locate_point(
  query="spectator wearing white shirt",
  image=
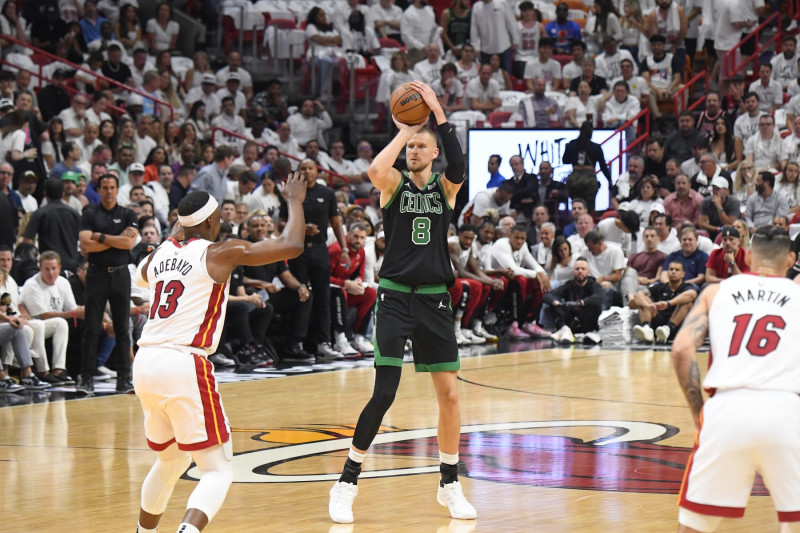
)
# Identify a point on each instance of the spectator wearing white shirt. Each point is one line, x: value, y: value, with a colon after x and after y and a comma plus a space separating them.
x: 235, y: 65
x: 97, y: 112
x: 343, y: 10
x: 789, y: 186
x: 324, y: 49
x: 483, y: 93
x: 286, y: 142
x: 730, y: 19
x: 161, y: 188
x: 310, y: 123
x: 609, y: 64
x: 512, y: 253
x: 340, y: 165
x: 769, y: 90
x: 230, y: 121
x: 418, y: 29
x: 784, y: 65
x: 790, y: 146
x: 47, y: 298
x: 249, y: 157
x: 583, y: 106
x: 139, y: 63
x: 747, y: 124
x: 258, y: 130
x: 448, y: 90
x: 358, y: 39
x: 161, y: 31
x: 498, y: 199
x: 494, y: 30
x: 573, y: 69
x: 206, y: 93
x: 606, y: 262
x: 467, y: 68
x: 88, y: 142
x: 764, y: 148
x: 74, y: 117
x: 544, y: 66
x: 385, y: 18
x: 265, y: 197
x: 135, y: 179
x: 530, y: 31
x: 232, y: 89
x: 241, y: 188
x: 144, y: 143
x: 429, y: 70
x: 620, y: 108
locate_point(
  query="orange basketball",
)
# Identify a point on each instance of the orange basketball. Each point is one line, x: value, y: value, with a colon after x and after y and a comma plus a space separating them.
x: 407, y: 105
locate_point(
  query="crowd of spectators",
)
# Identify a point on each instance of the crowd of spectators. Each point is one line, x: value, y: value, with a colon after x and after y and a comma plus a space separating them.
x: 721, y: 172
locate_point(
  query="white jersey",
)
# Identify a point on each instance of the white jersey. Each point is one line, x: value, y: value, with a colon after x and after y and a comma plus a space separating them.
x: 187, y: 307
x: 754, y: 329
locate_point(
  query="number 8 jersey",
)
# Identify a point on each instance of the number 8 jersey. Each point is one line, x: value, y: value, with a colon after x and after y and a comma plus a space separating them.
x: 754, y: 330
x: 415, y: 222
x: 187, y: 308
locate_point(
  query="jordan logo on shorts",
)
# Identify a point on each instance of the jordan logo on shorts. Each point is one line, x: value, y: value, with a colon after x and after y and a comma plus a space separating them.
x: 441, y: 305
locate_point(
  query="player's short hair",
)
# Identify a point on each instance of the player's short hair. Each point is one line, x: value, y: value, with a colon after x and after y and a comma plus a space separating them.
x: 770, y: 243
x: 357, y: 225
x: 192, y: 202
x: 649, y: 228
x: 582, y: 258
x: 519, y: 228
x: 676, y: 262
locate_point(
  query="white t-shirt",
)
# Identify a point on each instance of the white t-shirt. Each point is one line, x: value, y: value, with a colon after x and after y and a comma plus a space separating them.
x: 40, y: 298
x: 611, y: 66
x: 549, y: 71
x: 608, y: 261
x: 475, y: 89
x: 768, y: 96
x: 725, y: 35
x: 163, y: 37
x: 483, y: 200
x: 784, y: 70
x: 245, y: 79
x: 13, y: 141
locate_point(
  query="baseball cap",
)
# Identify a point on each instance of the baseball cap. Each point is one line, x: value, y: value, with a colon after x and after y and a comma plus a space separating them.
x: 209, y: 78
x: 136, y: 167
x: 658, y: 207
x: 730, y: 231
x: 609, y: 39
x: 380, y: 235
x: 30, y: 174
x: 71, y: 175
x: 60, y: 73
x: 719, y: 182
x: 6, y: 103
x: 135, y: 99
x: 233, y: 76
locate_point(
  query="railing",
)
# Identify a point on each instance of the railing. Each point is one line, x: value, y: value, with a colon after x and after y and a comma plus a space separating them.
x: 70, y: 90
x: 794, y: 9
x: 645, y: 113
x: 773, y: 20
x: 293, y: 157
x: 73, y: 66
x: 679, y: 96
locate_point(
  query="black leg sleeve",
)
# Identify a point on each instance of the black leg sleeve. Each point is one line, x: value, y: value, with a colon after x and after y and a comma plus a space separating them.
x: 387, y: 381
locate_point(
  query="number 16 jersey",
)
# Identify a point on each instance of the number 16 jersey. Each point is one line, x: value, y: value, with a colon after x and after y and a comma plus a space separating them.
x: 415, y: 222
x: 754, y: 330
x: 187, y: 307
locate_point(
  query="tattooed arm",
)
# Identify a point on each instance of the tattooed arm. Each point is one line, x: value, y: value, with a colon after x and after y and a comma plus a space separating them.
x: 684, y: 351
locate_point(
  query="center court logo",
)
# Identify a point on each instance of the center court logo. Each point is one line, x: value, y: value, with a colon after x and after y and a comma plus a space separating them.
x: 628, y: 459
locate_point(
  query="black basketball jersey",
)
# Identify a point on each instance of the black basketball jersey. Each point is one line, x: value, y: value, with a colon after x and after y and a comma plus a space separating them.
x: 415, y: 222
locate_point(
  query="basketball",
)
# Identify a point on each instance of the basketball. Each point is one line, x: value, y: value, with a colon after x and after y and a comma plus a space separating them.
x: 408, y: 107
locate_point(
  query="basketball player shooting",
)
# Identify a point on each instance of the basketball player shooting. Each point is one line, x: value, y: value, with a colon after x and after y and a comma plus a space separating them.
x: 183, y: 415
x: 751, y: 422
x: 413, y: 301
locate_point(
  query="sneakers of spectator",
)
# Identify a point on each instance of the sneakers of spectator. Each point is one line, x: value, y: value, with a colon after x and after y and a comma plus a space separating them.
x: 643, y: 333
x: 342, y: 345
x: 363, y: 345
x: 593, y: 337
x: 107, y: 371
x: 452, y: 496
x: 49, y: 377
x: 8, y: 385
x: 63, y: 376
x: 478, y: 329
x: 31, y: 382
x: 221, y: 360
x: 514, y: 332
x: 85, y: 385
x: 327, y: 353
x: 296, y: 353
x: 471, y: 337
x: 125, y: 386
x: 99, y: 375
x: 534, y: 330
x: 662, y: 334
x: 340, y: 505
x: 565, y: 335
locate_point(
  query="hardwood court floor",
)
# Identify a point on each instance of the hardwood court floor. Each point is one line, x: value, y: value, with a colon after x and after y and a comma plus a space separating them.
x: 532, y: 422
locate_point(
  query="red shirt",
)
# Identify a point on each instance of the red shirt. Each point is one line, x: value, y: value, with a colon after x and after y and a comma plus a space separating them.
x: 340, y: 274
x: 717, y: 261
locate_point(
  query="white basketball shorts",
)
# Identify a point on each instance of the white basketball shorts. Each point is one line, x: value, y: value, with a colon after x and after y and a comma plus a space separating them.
x: 180, y: 400
x: 745, y: 431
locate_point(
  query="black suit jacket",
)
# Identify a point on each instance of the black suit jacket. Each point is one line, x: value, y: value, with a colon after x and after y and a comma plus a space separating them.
x: 526, y: 188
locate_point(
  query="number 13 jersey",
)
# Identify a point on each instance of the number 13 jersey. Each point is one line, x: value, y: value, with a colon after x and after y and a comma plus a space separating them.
x: 187, y: 307
x: 415, y: 222
x: 754, y: 330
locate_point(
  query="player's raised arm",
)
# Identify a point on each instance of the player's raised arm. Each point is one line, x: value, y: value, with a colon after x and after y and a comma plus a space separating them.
x: 454, y: 174
x: 381, y: 171
x: 223, y: 258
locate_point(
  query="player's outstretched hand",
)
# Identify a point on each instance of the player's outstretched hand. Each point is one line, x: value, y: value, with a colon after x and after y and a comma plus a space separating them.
x: 427, y: 94
x: 412, y: 128
x: 295, y: 188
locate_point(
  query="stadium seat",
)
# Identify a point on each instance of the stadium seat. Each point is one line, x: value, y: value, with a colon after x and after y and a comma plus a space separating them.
x: 498, y: 118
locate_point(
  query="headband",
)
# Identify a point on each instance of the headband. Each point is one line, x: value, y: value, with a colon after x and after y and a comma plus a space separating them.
x: 200, y: 215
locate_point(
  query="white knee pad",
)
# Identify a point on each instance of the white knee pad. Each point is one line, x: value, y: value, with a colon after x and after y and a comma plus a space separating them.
x: 217, y: 476
x: 697, y: 521
x: 158, y: 485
